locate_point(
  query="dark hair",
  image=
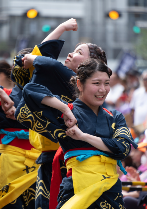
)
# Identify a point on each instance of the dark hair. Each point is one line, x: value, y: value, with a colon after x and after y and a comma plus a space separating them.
x: 96, y: 52
x: 25, y: 51
x: 86, y: 69
x: 5, y: 68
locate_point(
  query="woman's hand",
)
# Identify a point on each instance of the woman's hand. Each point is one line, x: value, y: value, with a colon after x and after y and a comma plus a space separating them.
x: 133, y: 174
x: 70, y: 24
x: 6, y: 102
x: 28, y: 60
x: 69, y: 118
x: 10, y: 113
x: 75, y: 133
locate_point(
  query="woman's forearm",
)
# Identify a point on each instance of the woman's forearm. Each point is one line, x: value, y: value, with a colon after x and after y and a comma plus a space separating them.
x: 55, y: 34
x: 68, y: 25
x: 55, y: 103
x: 95, y: 141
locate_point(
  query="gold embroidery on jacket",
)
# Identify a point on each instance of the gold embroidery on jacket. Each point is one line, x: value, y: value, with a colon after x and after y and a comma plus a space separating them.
x: 41, y: 189
x: 28, y: 195
x: 66, y: 99
x: 25, y: 115
x: 124, y: 131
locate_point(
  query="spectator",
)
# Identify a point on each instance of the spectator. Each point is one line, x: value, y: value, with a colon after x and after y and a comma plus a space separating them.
x: 116, y: 89
x: 138, y: 102
x: 5, y: 71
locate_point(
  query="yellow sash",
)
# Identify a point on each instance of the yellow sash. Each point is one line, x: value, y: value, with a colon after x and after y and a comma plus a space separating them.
x: 91, y: 178
x: 18, y: 171
x: 41, y: 142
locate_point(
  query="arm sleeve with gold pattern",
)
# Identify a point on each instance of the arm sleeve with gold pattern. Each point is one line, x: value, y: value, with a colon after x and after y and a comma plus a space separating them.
x: 120, y: 143
x: 38, y: 117
x: 22, y: 76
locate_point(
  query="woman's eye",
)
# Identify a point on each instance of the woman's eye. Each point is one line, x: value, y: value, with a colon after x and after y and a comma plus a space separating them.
x: 97, y: 83
x: 79, y: 52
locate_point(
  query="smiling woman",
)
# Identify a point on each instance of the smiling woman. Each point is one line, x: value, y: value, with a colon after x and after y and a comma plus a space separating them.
x: 80, y: 54
x: 93, y: 146
x: 93, y: 83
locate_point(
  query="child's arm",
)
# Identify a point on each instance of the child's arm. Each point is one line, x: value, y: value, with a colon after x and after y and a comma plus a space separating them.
x: 68, y: 25
x: 57, y: 104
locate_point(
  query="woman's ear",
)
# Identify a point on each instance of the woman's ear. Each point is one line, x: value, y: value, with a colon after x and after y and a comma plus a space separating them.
x: 79, y: 85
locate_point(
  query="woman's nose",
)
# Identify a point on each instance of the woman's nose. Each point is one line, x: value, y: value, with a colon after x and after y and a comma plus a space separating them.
x: 70, y: 54
x: 102, y: 88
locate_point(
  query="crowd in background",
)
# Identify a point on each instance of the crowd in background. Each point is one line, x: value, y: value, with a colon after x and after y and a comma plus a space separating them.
x: 129, y: 96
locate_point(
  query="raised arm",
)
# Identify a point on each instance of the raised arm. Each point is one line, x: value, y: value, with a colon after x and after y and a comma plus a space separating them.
x: 68, y: 25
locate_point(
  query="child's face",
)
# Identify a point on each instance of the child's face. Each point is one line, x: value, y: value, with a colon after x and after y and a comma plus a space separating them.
x: 74, y: 59
x: 94, y: 91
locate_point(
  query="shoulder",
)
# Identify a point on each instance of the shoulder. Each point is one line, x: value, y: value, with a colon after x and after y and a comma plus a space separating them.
x: 62, y: 69
x: 108, y: 112
x: 114, y: 113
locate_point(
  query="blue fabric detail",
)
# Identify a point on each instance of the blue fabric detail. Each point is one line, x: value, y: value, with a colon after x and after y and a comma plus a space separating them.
x: 85, y: 154
x: 11, y: 135
x: 136, y: 140
x: 121, y: 167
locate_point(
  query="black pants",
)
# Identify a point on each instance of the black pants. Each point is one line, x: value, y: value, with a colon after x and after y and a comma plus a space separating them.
x: 44, y: 179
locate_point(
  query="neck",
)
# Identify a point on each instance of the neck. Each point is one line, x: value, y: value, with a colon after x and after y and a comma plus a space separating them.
x: 95, y: 109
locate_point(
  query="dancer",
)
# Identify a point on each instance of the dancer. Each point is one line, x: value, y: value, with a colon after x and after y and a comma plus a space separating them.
x: 99, y: 139
x: 18, y: 185
x: 53, y: 74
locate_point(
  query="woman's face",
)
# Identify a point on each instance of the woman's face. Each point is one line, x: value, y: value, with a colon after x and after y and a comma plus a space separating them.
x: 93, y: 93
x: 74, y: 59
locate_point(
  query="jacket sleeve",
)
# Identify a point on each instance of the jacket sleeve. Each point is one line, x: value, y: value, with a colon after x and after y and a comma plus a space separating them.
x: 120, y: 143
x: 22, y: 76
x: 38, y: 117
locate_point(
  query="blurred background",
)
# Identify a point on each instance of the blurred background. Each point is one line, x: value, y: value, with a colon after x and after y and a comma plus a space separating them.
x: 121, y: 34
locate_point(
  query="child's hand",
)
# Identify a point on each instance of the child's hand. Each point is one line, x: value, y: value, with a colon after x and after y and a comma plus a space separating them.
x: 28, y: 60
x: 70, y: 24
x: 69, y: 118
x: 75, y: 133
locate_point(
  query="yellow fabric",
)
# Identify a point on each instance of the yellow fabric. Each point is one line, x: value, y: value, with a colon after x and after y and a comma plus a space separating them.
x: 18, y: 171
x: 40, y: 142
x: 91, y: 178
x: 35, y: 51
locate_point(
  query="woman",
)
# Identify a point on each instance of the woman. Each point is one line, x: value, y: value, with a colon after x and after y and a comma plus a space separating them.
x: 99, y: 139
x: 55, y: 76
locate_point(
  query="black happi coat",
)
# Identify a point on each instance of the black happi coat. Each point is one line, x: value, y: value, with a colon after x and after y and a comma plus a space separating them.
x: 110, y: 126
